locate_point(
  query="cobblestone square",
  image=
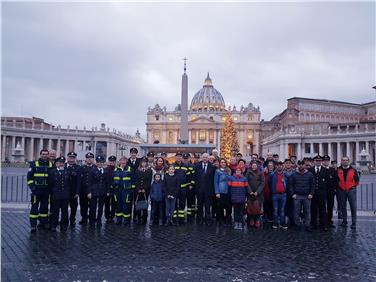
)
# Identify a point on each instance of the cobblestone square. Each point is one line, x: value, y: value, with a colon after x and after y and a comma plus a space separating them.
x: 185, y: 253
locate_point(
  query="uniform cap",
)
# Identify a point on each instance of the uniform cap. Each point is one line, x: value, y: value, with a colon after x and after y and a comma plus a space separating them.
x: 89, y: 155
x: 71, y: 154
x: 100, y: 159
x: 112, y: 158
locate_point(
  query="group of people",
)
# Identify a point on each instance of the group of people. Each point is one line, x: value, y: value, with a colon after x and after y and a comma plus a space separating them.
x: 205, y: 189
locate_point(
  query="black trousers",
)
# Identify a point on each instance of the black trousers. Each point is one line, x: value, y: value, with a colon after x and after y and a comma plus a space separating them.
x: 59, y: 205
x: 141, y: 216
x: 73, y: 204
x: 268, y: 209
x: 84, y: 207
x: 156, y: 211
x: 238, y: 212
x: 96, y: 208
x: 224, y: 204
x: 330, y: 206
x: 109, y: 207
x: 289, y: 209
x: 214, y: 206
x: 39, y: 207
x: 203, y: 202
x: 318, y: 207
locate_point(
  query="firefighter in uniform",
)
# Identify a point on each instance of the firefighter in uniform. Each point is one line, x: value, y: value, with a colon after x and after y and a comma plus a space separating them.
x: 181, y: 172
x: 37, y: 179
x: 134, y: 163
x: 75, y: 171
x: 191, y: 203
x: 59, y: 183
x: 85, y: 183
x: 110, y: 204
x: 123, y: 186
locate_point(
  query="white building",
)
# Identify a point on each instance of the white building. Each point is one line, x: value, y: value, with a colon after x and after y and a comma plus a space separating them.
x: 23, y: 138
x: 205, y: 121
x: 317, y: 126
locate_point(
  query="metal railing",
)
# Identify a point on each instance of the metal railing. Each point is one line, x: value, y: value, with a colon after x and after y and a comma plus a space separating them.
x: 14, y: 189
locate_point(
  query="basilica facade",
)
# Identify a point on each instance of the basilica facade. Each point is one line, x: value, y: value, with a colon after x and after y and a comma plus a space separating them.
x: 205, y: 121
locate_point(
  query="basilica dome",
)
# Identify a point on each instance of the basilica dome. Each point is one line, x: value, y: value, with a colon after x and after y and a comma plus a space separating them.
x: 208, y: 99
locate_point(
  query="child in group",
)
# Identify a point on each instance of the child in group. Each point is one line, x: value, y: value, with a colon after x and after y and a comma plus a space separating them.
x: 238, y: 185
x: 157, y: 197
x: 171, y: 186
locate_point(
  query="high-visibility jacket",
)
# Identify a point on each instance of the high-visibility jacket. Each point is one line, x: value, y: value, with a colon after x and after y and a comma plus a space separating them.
x: 37, y: 176
x: 181, y: 172
x: 123, y: 178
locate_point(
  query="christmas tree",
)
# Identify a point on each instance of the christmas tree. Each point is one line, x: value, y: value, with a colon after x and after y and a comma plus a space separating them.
x: 229, y: 139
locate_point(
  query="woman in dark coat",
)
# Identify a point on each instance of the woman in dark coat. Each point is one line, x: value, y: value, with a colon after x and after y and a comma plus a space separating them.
x: 143, y: 182
x: 256, y: 182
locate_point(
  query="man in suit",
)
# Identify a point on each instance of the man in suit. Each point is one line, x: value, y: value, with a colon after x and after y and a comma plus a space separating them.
x: 204, y: 181
x: 321, y: 180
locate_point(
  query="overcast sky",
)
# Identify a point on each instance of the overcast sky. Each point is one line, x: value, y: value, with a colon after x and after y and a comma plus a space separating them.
x: 87, y: 63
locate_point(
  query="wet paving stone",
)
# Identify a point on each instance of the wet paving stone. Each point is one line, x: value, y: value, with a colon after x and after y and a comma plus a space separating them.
x: 185, y: 253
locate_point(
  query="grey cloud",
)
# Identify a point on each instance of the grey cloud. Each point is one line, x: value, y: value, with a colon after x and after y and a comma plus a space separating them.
x: 107, y: 62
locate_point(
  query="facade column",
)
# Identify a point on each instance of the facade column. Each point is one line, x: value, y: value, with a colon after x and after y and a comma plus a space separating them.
x: 357, y: 151
x: 3, y: 141
x: 3, y: 147
x: 312, y: 149
x: 94, y: 149
x: 367, y: 146
x: 66, y: 149
x: 299, y: 151
x: 13, y: 145
x: 330, y: 150
x: 190, y: 136
x: 339, y: 152
x: 108, y: 149
x: 49, y: 145
x: 320, y: 149
x: 40, y: 144
x: 348, y: 151
x: 219, y: 140
x: 31, y: 153
x: 207, y: 136
x: 23, y: 143
x: 58, y: 146
x: 281, y: 150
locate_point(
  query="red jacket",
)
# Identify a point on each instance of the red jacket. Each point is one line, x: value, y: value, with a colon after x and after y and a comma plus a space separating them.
x: 352, y: 179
